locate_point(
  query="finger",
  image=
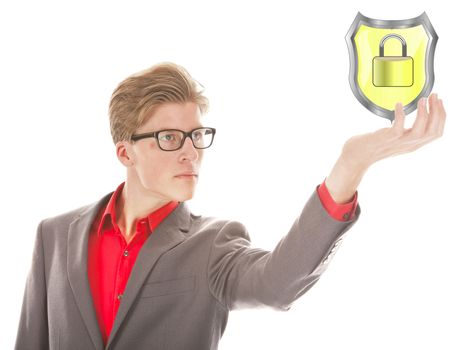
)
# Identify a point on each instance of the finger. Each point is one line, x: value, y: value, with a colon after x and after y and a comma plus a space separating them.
x: 419, y: 125
x: 435, y: 117
x: 399, y: 120
x: 433, y: 100
x: 443, y: 117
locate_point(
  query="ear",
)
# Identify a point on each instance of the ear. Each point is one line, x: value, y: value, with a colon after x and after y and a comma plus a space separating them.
x: 125, y: 153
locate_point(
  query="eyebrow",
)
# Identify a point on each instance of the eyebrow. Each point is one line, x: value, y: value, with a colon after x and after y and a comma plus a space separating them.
x: 195, y: 127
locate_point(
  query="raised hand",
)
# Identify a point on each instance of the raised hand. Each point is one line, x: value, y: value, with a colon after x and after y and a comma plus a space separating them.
x: 361, y: 151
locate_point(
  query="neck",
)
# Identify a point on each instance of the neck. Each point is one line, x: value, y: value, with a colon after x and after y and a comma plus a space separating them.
x: 135, y: 203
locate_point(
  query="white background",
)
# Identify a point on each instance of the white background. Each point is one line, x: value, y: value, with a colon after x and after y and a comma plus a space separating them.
x: 404, y: 277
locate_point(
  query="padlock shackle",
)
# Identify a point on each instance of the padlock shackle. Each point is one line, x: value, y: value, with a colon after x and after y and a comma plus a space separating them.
x: 396, y: 36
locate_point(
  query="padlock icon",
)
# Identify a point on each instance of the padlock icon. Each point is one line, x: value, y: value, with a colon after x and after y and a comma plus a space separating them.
x: 392, y: 71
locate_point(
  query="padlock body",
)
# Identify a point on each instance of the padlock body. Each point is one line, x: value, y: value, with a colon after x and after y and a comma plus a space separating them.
x: 392, y: 71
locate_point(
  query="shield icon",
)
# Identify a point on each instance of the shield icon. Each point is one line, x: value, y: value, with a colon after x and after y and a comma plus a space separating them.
x: 391, y: 61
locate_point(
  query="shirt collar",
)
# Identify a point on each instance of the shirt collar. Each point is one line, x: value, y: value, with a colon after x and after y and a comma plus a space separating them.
x: 109, y: 216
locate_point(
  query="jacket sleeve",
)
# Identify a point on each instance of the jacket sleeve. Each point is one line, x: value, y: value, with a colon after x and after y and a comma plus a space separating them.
x: 245, y: 277
x: 33, y: 327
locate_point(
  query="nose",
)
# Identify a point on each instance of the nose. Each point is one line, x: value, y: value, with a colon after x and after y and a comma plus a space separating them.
x: 188, y: 151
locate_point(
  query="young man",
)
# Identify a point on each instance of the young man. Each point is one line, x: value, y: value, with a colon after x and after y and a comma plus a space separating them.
x: 137, y: 270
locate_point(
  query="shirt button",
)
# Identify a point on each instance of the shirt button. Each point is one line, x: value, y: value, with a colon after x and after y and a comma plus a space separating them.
x: 346, y: 216
x: 126, y: 253
x: 119, y: 296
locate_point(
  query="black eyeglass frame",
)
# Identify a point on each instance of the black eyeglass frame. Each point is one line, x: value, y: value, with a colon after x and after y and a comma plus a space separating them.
x: 155, y: 134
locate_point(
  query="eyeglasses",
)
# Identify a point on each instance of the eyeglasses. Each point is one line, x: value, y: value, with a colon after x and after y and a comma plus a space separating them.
x: 173, y: 139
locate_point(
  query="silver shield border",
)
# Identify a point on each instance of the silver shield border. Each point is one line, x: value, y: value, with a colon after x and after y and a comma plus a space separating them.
x: 391, y: 24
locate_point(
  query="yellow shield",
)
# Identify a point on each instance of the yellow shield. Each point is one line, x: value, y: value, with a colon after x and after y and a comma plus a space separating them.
x: 391, y: 61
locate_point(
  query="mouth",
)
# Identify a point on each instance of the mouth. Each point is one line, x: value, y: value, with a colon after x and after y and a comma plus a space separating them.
x: 187, y: 176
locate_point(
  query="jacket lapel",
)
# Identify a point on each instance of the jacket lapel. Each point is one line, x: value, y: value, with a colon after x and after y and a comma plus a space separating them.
x: 165, y: 237
x: 77, y: 267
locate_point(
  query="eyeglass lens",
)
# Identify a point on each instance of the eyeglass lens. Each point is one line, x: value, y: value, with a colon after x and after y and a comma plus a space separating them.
x: 172, y: 139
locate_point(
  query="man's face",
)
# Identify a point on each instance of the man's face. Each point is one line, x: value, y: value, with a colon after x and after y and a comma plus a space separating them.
x: 167, y: 175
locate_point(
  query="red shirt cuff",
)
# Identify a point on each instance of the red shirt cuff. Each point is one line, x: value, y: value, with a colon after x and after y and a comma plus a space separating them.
x: 340, y: 212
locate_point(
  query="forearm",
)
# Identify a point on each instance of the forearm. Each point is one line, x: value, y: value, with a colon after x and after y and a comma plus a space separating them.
x: 344, y: 179
x: 244, y: 277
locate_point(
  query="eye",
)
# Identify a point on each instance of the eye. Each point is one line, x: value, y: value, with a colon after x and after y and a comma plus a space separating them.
x: 168, y: 137
x: 197, y: 135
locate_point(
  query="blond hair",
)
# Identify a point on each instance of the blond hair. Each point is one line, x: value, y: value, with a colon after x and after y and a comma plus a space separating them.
x: 133, y: 100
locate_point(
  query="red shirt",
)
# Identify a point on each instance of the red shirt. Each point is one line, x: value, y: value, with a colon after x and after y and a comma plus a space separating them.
x: 111, y: 258
x: 341, y: 212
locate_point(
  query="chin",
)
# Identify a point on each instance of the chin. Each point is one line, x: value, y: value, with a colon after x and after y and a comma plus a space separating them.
x: 183, y: 198
x: 182, y: 195
x: 182, y: 191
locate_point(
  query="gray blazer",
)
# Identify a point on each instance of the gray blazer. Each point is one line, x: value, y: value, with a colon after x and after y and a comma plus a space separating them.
x: 190, y: 273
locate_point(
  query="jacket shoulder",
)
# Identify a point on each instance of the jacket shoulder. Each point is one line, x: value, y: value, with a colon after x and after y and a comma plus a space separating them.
x: 219, y: 228
x: 66, y: 218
